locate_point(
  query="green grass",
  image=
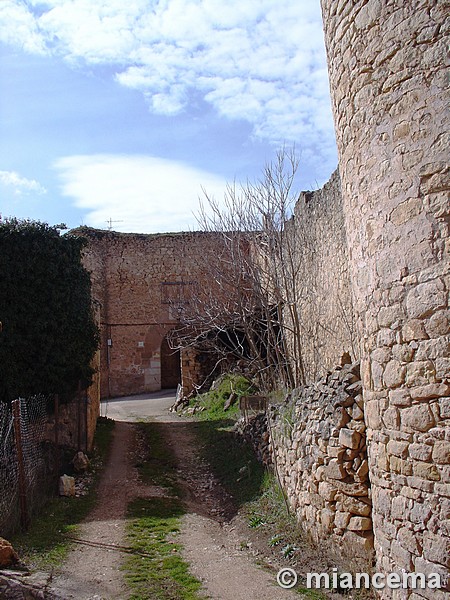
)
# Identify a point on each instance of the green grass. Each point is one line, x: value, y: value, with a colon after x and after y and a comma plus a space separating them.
x: 45, y: 545
x: 157, y: 571
x: 233, y: 461
x: 158, y: 465
x: 212, y: 403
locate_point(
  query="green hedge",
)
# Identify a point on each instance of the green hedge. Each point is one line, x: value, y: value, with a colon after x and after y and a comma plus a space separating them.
x: 48, y: 335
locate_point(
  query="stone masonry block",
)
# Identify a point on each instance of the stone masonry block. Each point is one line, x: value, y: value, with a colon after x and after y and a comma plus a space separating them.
x: 403, y: 352
x: 394, y: 374
x: 387, y: 315
x: 341, y: 519
x: 349, y: 438
x: 356, y: 506
x: 335, y: 470
x: 442, y: 366
x: 400, y: 507
x: 426, y: 471
x: 358, y: 545
x: 400, y: 397
x: 397, y: 448
x: 438, y: 324
x: 436, y: 548
x: 402, y: 557
x: 410, y: 540
x: 425, y: 299
x: 391, y: 418
x: 414, y: 329
x: 429, y: 391
x: 417, y: 418
x: 444, y: 408
x: 327, y: 491
x: 433, y: 349
x: 441, y: 452
x: 420, y: 373
x: 420, y: 452
x: 360, y: 524
x: 399, y: 465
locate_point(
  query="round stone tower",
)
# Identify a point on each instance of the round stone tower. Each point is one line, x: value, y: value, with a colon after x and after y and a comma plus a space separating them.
x: 387, y: 73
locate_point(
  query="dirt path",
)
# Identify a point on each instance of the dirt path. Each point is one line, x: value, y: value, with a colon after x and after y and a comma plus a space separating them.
x: 92, y: 569
x: 213, y: 544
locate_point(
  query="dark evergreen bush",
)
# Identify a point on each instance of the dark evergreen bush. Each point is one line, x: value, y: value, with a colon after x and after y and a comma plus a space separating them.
x: 48, y: 335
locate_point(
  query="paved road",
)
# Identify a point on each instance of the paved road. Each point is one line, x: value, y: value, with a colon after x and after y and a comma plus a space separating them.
x: 134, y: 408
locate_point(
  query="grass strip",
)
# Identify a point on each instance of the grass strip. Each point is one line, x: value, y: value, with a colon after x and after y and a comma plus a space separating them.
x: 46, y: 543
x: 159, y: 571
x: 162, y: 573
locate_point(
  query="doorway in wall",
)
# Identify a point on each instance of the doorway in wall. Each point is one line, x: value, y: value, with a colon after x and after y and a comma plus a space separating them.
x: 170, y: 366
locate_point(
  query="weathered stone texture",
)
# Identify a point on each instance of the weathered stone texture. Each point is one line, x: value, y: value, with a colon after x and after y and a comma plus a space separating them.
x: 140, y: 281
x: 318, y: 445
x: 316, y: 240
x: 388, y: 83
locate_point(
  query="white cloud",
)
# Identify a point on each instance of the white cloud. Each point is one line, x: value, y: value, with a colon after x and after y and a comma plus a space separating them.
x: 20, y: 184
x: 138, y: 193
x: 19, y: 27
x: 258, y: 60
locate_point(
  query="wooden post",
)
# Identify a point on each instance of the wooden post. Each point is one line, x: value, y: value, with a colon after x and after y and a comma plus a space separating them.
x: 20, y: 464
x: 86, y: 418
x: 79, y: 415
x: 56, y: 420
x: 57, y: 452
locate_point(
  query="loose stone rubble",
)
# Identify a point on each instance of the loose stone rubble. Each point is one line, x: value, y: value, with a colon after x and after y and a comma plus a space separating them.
x: 316, y: 442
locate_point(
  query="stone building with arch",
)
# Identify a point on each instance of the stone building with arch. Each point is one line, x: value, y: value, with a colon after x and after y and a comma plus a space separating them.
x: 141, y: 281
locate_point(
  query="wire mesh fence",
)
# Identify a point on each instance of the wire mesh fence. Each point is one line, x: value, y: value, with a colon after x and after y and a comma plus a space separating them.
x: 28, y: 460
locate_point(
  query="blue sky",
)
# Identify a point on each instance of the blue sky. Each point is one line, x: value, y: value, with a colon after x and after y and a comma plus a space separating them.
x: 125, y: 110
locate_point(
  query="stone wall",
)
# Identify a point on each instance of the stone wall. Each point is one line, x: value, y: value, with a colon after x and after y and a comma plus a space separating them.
x: 141, y: 282
x: 317, y: 442
x: 388, y: 83
x: 76, y: 420
x: 317, y: 236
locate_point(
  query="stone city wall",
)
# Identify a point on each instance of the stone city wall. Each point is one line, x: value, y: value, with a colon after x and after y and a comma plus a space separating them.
x: 390, y: 98
x: 316, y: 238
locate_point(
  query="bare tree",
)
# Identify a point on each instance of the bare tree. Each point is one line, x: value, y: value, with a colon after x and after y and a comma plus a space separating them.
x: 249, y: 310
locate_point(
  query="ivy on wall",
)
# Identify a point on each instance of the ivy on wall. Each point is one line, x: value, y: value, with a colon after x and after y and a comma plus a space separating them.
x: 48, y: 333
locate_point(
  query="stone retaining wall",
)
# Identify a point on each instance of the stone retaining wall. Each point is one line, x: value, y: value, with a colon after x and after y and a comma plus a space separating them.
x: 317, y: 441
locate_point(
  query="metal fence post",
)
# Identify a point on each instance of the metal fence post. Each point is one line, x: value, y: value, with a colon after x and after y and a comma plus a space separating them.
x: 21, y: 464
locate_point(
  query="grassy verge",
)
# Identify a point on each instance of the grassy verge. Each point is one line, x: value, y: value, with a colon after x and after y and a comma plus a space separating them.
x: 231, y: 460
x: 210, y: 406
x: 157, y: 571
x: 45, y: 544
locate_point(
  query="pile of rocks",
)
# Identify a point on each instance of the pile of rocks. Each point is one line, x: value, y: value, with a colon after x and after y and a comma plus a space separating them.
x: 316, y: 440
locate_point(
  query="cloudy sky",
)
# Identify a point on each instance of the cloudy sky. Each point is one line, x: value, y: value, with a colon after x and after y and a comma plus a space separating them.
x: 123, y: 110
